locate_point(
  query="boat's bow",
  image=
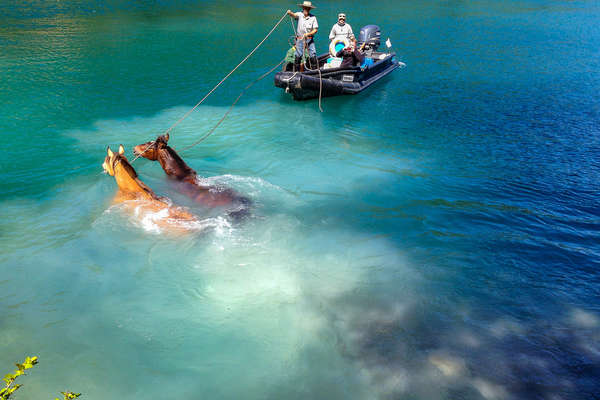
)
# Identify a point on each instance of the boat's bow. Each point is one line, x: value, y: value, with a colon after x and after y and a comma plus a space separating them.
x: 285, y: 79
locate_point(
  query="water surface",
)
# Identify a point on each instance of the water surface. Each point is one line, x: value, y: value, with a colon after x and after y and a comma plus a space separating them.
x: 435, y: 237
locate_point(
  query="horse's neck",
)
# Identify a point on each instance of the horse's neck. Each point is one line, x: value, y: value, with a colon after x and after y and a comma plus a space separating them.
x: 132, y: 186
x: 173, y: 165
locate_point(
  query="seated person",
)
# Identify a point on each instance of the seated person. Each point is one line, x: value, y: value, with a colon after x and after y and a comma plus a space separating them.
x: 289, y: 59
x: 351, y: 56
x: 342, y: 30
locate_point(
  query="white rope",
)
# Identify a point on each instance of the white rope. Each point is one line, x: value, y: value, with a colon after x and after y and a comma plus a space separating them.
x: 231, y: 106
x: 320, y: 86
x: 304, y: 51
x: 293, y: 75
x: 216, y: 86
x: 293, y: 25
x: 227, y: 76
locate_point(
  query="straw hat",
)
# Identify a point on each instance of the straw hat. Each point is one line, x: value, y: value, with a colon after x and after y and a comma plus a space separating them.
x: 306, y: 4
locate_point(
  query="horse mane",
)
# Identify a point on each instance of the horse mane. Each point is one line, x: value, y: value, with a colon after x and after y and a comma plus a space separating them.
x: 125, y: 163
x: 179, y: 161
x: 122, y: 160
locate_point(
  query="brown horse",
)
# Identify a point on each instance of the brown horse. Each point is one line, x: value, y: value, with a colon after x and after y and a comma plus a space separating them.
x: 177, y: 169
x: 140, y: 198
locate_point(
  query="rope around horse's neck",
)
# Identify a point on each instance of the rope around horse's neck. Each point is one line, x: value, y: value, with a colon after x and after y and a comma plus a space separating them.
x: 216, y: 86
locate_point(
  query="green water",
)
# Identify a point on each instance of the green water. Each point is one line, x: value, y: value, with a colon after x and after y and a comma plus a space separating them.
x: 435, y: 237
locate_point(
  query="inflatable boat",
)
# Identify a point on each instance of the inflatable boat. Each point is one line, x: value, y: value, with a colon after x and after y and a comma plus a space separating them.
x: 330, y: 79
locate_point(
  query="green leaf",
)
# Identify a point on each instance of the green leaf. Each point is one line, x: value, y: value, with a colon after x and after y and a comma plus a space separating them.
x: 12, y: 389
x: 30, y: 361
x: 70, y: 395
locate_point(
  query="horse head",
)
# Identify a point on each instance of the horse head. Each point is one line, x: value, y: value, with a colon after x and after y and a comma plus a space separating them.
x: 117, y: 165
x: 142, y: 200
x: 170, y: 161
x: 112, y: 159
x: 150, y: 149
x: 177, y: 169
x: 123, y: 174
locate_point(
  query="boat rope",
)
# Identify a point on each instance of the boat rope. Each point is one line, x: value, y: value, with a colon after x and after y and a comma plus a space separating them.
x: 293, y: 26
x: 227, y: 76
x: 305, y: 50
x: 216, y: 86
x: 320, y: 86
x: 318, y: 69
x: 231, y: 107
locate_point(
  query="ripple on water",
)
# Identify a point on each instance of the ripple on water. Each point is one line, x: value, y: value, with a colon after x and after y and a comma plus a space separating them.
x: 433, y: 237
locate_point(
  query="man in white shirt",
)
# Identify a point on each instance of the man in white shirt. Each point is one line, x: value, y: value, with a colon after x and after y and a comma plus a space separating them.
x: 342, y: 30
x: 307, y: 28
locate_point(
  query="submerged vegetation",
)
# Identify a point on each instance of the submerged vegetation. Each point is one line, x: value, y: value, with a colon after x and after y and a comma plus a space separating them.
x: 9, y: 379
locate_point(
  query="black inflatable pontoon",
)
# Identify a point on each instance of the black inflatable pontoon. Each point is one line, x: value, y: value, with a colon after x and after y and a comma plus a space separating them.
x: 338, y: 81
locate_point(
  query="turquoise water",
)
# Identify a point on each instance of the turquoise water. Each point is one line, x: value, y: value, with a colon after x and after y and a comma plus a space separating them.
x: 435, y: 237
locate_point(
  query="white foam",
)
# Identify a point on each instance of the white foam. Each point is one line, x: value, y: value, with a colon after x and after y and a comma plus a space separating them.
x: 388, y: 382
x: 247, y: 180
x: 504, y: 327
x: 149, y: 220
x: 448, y: 365
x: 254, y: 187
x: 153, y: 221
x: 489, y: 390
x: 583, y: 319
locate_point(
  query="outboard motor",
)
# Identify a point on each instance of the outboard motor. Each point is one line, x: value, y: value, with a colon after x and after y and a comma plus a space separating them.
x: 371, y: 36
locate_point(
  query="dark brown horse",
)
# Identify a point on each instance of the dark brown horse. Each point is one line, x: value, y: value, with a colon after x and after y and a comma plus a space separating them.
x: 177, y: 169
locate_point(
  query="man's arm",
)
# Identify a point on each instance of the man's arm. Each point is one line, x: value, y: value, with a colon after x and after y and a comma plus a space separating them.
x: 291, y: 14
x: 332, y: 33
x: 311, y: 33
x: 314, y: 31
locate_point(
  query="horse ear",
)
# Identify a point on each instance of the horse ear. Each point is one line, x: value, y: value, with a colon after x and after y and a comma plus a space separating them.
x: 167, y: 137
x: 121, y: 149
x: 109, y: 151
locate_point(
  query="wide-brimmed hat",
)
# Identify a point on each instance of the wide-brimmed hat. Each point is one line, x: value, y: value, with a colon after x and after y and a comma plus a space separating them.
x: 306, y: 4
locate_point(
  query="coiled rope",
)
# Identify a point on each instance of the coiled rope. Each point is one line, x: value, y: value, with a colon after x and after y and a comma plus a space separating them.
x: 305, y: 50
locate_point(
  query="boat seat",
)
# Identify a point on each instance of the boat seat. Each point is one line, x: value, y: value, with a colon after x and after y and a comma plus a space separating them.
x: 333, y: 62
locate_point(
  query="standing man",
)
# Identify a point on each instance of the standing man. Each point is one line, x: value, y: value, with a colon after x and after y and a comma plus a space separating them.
x: 307, y: 28
x: 342, y: 30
